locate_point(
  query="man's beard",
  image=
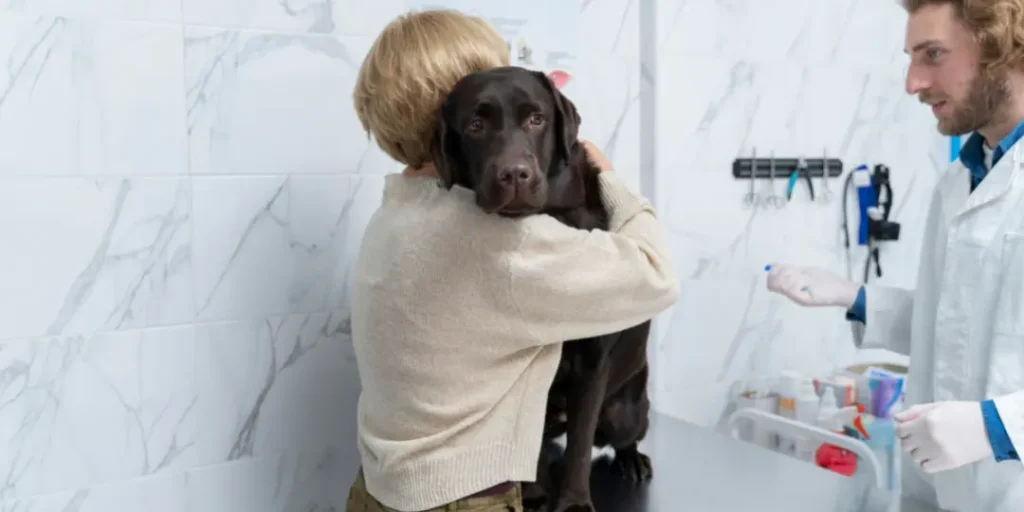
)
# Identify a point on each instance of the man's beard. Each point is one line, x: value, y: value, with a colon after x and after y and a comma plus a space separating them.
x: 987, y: 94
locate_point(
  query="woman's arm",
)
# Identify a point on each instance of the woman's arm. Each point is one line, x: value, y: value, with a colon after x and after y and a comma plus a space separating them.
x: 568, y: 283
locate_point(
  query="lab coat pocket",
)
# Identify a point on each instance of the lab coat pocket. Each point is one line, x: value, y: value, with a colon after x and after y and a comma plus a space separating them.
x: 1010, y: 308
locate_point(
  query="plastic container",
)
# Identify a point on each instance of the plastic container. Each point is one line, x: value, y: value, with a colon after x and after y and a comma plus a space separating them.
x: 759, y: 396
x: 788, y: 388
x: 878, y: 399
x: 843, y: 386
x: 828, y: 413
x: 882, y: 441
x: 807, y: 404
x: 865, y: 457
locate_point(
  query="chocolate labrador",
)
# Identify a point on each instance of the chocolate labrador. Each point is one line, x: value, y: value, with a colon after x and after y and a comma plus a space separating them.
x: 510, y: 136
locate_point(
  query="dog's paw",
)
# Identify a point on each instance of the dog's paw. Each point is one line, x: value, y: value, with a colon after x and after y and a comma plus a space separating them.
x: 634, y: 466
x: 566, y: 506
x: 535, y: 498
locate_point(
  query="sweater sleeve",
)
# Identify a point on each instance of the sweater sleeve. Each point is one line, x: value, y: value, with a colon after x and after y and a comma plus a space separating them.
x: 570, y: 284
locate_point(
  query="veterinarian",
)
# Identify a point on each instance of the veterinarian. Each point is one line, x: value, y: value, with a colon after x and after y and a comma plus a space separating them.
x: 963, y: 326
x: 458, y: 316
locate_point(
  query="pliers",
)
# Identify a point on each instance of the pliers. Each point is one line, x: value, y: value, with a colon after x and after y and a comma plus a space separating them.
x: 801, y: 168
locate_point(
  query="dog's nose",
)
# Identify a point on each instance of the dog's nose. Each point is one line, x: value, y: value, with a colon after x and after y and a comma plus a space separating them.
x: 513, y: 175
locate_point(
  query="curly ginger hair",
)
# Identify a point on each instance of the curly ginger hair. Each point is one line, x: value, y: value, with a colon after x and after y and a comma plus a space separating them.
x: 997, y: 25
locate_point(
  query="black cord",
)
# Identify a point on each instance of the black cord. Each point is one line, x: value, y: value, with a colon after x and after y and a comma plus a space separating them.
x: 873, y: 254
x: 846, y: 224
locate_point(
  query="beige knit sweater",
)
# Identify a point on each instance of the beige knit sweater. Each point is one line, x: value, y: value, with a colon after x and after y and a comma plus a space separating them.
x: 457, y: 319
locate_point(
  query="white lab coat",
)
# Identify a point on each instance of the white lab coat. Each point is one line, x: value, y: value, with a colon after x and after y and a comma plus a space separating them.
x: 963, y: 326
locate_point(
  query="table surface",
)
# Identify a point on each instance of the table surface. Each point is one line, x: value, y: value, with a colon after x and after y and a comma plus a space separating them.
x: 698, y: 469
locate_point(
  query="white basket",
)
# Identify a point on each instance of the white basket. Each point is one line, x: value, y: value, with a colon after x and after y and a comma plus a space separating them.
x: 786, y: 426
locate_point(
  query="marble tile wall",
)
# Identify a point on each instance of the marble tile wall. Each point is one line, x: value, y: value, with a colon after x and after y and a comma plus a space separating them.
x: 183, y: 185
x: 797, y: 77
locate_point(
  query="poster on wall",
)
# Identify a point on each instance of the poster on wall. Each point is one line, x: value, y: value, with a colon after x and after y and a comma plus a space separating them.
x: 541, y: 34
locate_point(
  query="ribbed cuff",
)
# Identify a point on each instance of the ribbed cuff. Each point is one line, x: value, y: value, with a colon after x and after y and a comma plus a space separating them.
x: 1010, y: 409
x: 437, y: 482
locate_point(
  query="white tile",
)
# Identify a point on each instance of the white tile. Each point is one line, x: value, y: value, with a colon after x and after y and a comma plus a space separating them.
x: 798, y: 93
x: 739, y: 107
x: 868, y: 37
x: 606, y: 91
x: 725, y: 330
x: 89, y: 98
x: 857, y: 35
x: 610, y: 27
x: 549, y: 29
x: 328, y: 216
x: 273, y: 104
x: 242, y: 256
x: 269, y: 245
x: 152, y: 10
x: 272, y: 386
x: 94, y: 254
x: 164, y: 493
x: 80, y: 411
x: 343, y: 17
x: 310, y: 480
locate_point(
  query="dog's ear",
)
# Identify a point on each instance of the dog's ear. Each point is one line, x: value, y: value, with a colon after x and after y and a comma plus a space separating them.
x: 442, y: 149
x: 565, y: 182
x: 567, y: 118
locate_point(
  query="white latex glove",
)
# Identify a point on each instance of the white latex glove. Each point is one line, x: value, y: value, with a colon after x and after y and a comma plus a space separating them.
x: 944, y: 435
x: 812, y: 286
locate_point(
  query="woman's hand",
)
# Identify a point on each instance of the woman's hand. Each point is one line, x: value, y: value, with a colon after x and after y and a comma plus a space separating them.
x: 595, y: 156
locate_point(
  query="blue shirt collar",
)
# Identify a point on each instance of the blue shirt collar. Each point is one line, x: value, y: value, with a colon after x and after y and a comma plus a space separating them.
x: 972, y: 155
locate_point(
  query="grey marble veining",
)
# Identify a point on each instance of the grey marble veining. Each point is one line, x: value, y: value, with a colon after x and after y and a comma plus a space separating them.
x: 82, y: 410
x: 83, y: 96
x: 347, y: 17
x: 94, y: 254
x: 184, y: 185
x: 730, y: 81
x: 135, y: 10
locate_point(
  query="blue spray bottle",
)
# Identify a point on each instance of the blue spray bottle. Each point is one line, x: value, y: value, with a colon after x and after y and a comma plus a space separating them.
x: 866, y: 200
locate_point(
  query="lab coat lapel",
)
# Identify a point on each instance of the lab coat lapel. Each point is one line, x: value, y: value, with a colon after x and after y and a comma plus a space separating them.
x: 995, y: 185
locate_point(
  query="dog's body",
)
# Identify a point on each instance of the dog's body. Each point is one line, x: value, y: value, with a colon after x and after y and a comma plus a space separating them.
x: 496, y: 137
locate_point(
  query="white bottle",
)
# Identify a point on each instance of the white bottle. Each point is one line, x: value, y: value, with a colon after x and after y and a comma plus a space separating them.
x: 757, y: 394
x: 789, y: 386
x: 828, y: 414
x: 807, y: 403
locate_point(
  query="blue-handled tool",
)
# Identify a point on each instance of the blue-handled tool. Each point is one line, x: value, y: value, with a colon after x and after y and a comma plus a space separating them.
x: 801, y: 169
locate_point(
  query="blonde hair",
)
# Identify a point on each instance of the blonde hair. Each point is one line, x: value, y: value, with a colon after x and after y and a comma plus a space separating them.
x: 410, y: 69
x: 997, y: 25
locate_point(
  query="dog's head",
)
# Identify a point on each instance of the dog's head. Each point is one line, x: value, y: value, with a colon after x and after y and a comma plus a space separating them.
x: 508, y: 134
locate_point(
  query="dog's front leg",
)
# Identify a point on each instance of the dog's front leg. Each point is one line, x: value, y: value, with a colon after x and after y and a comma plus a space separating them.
x: 584, y: 409
x: 536, y: 495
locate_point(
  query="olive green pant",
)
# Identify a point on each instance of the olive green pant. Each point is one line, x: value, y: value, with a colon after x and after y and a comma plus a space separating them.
x: 359, y: 500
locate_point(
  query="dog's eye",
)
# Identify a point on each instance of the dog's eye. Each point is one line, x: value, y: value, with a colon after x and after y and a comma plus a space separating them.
x: 536, y: 119
x: 476, y: 124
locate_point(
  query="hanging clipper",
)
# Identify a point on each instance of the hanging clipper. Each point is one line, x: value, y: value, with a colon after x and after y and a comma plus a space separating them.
x: 751, y: 199
x: 801, y: 169
x: 775, y: 199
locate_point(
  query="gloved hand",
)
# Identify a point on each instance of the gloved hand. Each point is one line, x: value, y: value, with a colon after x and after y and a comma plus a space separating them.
x: 811, y: 286
x: 944, y: 435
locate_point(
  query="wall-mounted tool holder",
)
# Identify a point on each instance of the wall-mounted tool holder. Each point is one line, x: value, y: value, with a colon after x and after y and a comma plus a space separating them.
x: 815, y: 167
